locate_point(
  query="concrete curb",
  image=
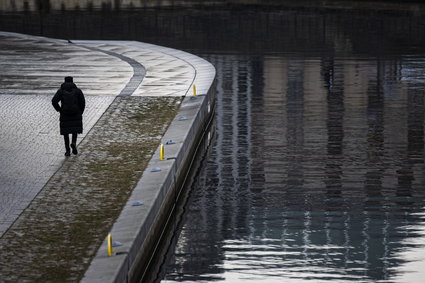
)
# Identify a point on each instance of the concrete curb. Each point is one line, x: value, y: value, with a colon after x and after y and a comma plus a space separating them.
x: 138, y: 226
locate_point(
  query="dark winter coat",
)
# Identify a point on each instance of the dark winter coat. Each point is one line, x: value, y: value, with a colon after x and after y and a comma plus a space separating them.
x: 71, y: 108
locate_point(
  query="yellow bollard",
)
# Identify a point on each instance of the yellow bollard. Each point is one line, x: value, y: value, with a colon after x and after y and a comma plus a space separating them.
x: 194, y: 90
x: 161, y: 152
x: 109, y: 245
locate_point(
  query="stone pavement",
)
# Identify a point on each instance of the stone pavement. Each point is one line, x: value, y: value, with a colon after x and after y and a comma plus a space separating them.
x: 68, y: 219
x: 166, y: 75
x: 31, y: 148
x: 31, y: 70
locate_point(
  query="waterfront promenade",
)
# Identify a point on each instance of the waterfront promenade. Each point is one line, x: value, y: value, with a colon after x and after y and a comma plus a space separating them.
x: 122, y: 81
x: 32, y: 69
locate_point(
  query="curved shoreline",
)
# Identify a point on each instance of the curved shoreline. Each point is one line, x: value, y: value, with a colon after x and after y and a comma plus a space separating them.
x: 137, y: 226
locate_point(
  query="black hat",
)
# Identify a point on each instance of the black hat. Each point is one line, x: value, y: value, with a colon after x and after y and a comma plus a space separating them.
x: 69, y: 79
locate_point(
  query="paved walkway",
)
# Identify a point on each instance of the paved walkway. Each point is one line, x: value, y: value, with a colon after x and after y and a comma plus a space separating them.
x: 31, y: 70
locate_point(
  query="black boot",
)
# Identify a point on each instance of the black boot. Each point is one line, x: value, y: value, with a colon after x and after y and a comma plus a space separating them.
x: 74, y: 149
x: 68, y: 152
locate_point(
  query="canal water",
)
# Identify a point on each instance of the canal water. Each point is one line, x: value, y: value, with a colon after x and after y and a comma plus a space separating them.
x: 316, y: 171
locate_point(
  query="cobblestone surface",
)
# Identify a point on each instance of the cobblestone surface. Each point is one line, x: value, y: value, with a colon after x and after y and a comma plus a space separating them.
x: 54, y: 236
x: 166, y: 75
x: 61, y: 230
x: 138, y: 71
x: 32, y: 65
x: 31, y: 148
x: 32, y: 69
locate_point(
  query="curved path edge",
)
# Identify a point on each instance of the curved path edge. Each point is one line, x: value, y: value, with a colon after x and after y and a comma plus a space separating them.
x: 138, y: 226
x: 139, y: 70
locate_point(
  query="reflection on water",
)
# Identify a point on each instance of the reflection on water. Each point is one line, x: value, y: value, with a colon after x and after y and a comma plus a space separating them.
x: 317, y: 169
x: 317, y: 172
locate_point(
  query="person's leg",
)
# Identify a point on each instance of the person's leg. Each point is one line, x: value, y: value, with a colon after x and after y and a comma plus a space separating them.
x: 66, y: 139
x: 74, y: 138
x: 74, y: 143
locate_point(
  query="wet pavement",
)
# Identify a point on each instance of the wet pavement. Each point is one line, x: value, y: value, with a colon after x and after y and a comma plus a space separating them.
x: 66, y: 221
x: 31, y: 70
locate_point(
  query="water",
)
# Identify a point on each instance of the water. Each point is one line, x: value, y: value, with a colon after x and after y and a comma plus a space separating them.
x: 316, y: 172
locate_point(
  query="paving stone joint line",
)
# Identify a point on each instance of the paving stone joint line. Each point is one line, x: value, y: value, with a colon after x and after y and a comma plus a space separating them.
x: 139, y: 71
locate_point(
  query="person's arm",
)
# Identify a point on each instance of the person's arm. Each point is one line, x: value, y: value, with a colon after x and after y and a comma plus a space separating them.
x: 82, y: 101
x: 56, y: 99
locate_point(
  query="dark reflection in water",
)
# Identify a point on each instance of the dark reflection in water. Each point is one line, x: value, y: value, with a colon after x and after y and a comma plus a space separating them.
x: 317, y: 169
x: 317, y: 172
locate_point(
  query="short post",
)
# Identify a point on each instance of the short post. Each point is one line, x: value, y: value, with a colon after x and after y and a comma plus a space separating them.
x: 194, y: 89
x: 161, y: 152
x: 109, y: 245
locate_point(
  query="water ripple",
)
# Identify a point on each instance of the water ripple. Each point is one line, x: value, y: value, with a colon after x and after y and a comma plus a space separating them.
x: 316, y: 173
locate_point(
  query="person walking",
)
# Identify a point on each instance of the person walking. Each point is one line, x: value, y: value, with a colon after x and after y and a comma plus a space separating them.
x: 71, y: 108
